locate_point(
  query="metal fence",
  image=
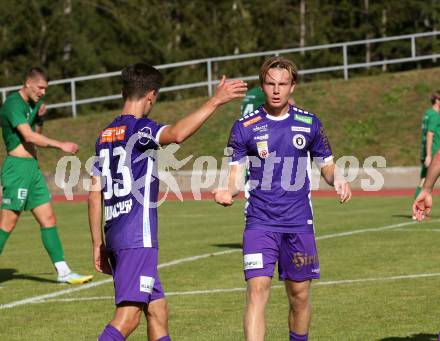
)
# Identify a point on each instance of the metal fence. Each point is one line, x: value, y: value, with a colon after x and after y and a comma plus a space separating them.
x: 210, y: 83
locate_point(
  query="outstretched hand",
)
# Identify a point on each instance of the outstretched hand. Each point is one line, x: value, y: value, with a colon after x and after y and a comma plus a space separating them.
x: 69, y: 147
x: 228, y: 90
x: 422, y: 205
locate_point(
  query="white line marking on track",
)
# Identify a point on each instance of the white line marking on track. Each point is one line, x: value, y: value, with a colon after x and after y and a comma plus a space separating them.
x: 190, y: 259
x: 216, y: 291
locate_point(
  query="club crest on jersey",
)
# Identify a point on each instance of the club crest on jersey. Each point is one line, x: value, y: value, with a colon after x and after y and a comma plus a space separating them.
x: 252, y: 121
x: 263, y: 149
x: 113, y: 134
x: 299, y: 141
x: 144, y: 135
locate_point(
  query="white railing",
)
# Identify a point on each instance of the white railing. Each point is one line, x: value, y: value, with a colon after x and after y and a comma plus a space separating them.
x: 210, y: 83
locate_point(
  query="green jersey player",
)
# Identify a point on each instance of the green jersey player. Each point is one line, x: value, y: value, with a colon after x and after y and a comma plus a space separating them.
x: 253, y: 99
x: 430, y: 136
x: 24, y: 187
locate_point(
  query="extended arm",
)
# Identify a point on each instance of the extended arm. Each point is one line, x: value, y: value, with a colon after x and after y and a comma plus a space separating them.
x: 39, y: 140
x: 428, y: 156
x: 100, y: 257
x: 188, y: 125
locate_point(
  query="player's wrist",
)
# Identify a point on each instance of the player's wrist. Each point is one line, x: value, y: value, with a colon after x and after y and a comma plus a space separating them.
x: 214, y: 101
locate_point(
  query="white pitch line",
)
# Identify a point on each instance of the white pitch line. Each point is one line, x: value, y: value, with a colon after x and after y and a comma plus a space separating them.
x: 226, y: 290
x: 417, y: 230
x: 108, y: 280
x: 376, y: 229
x: 185, y: 260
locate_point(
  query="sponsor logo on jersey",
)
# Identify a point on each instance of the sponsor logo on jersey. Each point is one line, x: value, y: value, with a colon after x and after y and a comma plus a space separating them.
x: 6, y: 201
x: 22, y: 193
x: 113, y: 134
x: 260, y: 129
x: 122, y: 207
x: 261, y: 137
x: 263, y: 149
x: 146, y: 284
x: 303, y: 129
x: 303, y: 259
x: 299, y: 141
x: 304, y: 119
x: 252, y: 121
x: 253, y: 261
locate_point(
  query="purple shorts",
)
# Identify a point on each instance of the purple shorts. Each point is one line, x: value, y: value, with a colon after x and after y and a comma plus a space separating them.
x: 135, y: 275
x: 296, y: 254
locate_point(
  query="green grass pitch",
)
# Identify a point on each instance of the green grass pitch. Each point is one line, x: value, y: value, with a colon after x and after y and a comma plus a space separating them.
x: 380, y: 276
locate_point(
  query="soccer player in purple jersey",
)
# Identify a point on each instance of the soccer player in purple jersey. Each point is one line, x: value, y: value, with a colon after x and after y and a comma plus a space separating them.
x: 125, y: 190
x: 279, y: 139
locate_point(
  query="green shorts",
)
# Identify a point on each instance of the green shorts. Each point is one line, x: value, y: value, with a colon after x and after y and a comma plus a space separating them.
x: 24, y: 186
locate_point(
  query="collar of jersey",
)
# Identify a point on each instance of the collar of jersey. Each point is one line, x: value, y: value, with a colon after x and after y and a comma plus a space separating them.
x: 277, y: 118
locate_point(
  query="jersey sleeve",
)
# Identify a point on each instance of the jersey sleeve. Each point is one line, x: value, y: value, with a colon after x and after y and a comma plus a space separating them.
x: 320, y: 149
x: 15, y: 115
x: 96, y: 169
x: 237, y: 143
x: 148, y: 134
x: 432, y: 123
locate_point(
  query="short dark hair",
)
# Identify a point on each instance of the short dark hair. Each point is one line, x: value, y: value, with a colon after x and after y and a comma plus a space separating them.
x: 139, y: 78
x: 280, y: 63
x: 435, y: 96
x: 36, y: 72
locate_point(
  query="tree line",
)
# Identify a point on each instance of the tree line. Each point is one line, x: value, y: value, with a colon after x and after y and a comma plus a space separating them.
x: 80, y: 37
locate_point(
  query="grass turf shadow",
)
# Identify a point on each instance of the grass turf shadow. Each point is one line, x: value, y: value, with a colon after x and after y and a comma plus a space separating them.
x: 12, y: 274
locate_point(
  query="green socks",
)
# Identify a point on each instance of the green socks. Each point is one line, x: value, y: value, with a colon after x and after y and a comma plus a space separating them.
x: 52, y: 243
x: 3, y: 238
x: 418, y: 190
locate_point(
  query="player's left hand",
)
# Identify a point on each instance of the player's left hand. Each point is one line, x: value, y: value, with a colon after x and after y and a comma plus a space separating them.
x: 343, y: 188
x: 42, y: 110
x: 422, y: 205
x: 100, y: 260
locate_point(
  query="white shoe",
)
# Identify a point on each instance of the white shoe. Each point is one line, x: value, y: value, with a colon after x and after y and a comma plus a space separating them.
x: 74, y: 278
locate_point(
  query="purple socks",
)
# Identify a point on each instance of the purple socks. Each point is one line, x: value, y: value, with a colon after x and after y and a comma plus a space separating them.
x: 164, y: 338
x: 295, y: 337
x: 110, y: 333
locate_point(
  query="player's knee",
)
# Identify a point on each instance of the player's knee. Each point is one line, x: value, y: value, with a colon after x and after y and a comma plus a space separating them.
x: 8, y: 223
x: 158, y: 313
x: 51, y: 220
x: 129, y: 324
x: 258, y: 292
x: 299, y: 300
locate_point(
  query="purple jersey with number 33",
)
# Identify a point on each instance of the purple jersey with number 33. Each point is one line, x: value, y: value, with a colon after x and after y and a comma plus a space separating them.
x: 278, y: 150
x: 126, y: 160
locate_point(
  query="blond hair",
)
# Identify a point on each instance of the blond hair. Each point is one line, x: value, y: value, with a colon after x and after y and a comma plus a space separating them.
x: 281, y: 63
